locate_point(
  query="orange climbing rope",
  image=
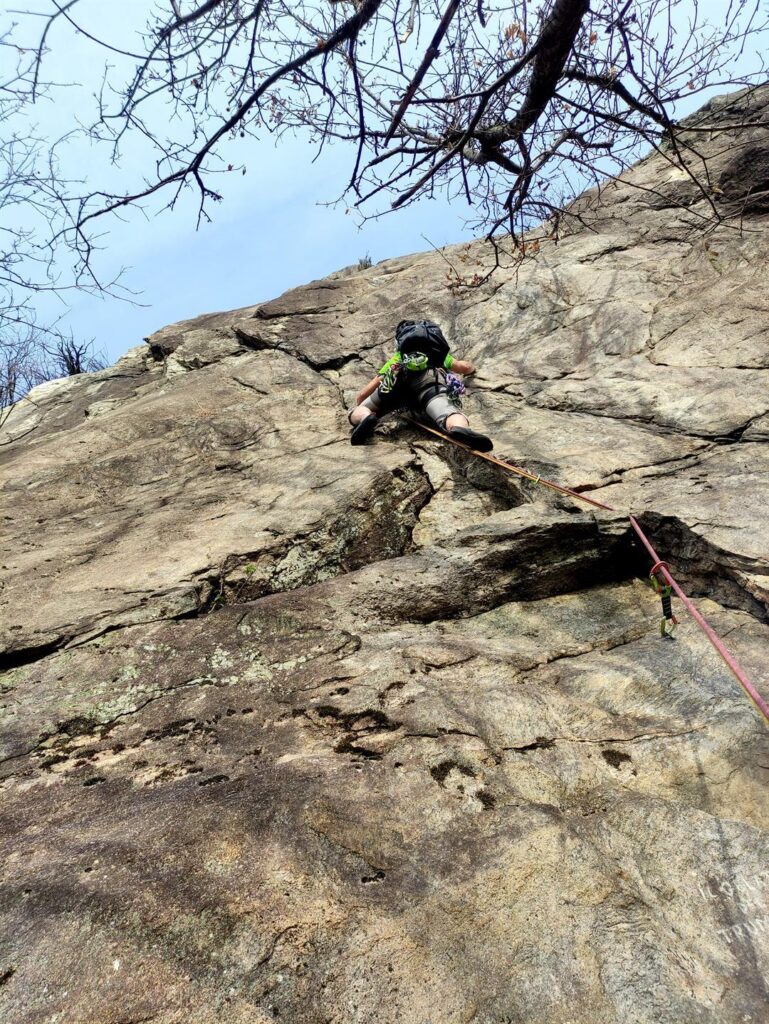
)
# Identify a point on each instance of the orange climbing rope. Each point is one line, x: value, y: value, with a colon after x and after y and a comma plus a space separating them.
x: 660, y: 567
x: 510, y: 467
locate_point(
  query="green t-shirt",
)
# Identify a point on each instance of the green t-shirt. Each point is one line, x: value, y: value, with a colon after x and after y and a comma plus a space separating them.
x: 448, y: 362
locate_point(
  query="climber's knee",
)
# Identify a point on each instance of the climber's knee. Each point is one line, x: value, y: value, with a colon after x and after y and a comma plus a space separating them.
x: 457, y: 419
x: 369, y: 407
x: 358, y: 414
x: 444, y: 414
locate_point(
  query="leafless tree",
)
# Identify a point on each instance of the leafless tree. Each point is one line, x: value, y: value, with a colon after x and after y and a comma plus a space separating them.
x: 29, y: 356
x: 513, y: 108
x: 35, y: 215
x: 29, y: 198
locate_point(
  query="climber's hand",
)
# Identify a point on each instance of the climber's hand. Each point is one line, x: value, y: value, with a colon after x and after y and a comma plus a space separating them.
x: 464, y: 367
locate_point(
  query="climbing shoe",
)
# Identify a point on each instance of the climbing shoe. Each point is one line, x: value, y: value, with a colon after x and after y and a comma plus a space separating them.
x: 471, y: 438
x: 364, y: 430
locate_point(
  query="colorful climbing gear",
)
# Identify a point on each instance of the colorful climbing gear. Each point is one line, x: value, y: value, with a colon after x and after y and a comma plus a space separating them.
x: 389, y: 379
x: 455, y: 388
x: 668, y: 622
x: 415, y: 361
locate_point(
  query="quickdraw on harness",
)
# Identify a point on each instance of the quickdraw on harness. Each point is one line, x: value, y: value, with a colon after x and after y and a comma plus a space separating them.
x: 388, y: 380
x: 455, y: 388
x: 668, y: 622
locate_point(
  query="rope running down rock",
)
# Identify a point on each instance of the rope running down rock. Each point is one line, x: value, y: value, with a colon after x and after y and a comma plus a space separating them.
x: 660, y: 567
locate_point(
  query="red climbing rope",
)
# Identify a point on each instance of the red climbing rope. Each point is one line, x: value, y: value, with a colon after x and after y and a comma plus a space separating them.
x: 511, y: 468
x: 742, y: 679
x: 660, y: 567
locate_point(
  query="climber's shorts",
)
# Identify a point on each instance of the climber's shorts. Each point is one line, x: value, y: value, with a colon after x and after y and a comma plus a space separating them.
x: 438, y: 408
x: 380, y: 404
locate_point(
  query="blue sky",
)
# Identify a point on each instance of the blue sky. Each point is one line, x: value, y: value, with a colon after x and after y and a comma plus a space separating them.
x: 270, y: 233
x: 259, y: 244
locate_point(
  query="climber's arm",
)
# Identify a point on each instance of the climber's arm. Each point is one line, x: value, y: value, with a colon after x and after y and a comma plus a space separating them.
x: 369, y: 389
x: 462, y: 366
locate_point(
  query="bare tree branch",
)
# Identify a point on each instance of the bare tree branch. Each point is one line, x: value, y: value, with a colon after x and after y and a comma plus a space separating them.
x: 429, y: 57
x: 513, y: 107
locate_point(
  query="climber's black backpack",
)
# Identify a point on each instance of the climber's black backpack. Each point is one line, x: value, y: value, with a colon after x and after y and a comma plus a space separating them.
x: 422, y: 336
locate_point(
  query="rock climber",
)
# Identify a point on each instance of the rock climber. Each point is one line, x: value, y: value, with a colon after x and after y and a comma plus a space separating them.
x: 420, y: 377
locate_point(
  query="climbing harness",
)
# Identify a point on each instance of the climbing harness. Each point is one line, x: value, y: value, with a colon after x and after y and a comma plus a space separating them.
x: 659, y: 573
x: 668, y: 622
x: 413, y: 362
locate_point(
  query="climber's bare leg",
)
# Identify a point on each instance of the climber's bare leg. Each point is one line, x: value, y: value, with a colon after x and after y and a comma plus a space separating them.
x: 456, y: 424
x: 359, y: 413
x: 456, y: 420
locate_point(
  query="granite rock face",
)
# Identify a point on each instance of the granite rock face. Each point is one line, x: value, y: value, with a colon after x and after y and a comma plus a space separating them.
x: 298, y: 731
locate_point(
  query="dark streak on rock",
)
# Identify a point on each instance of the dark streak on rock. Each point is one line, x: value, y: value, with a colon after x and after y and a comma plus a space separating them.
x: 615, y: 757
